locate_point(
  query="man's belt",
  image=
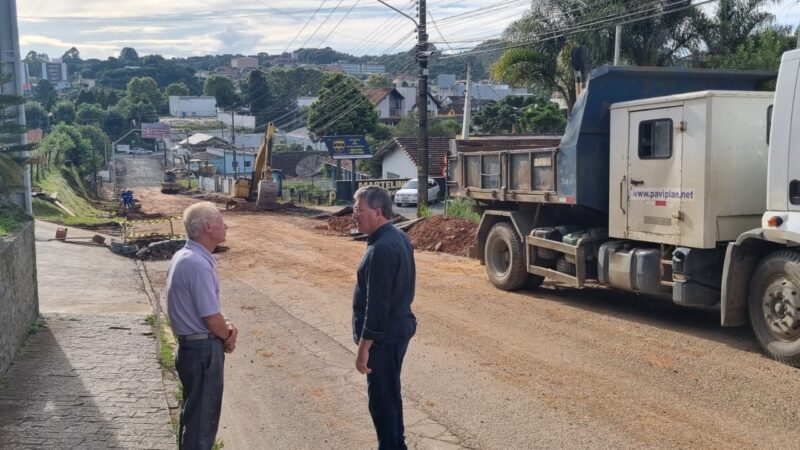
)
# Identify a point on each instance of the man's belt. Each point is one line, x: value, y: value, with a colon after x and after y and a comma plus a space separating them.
x: 196, y: 337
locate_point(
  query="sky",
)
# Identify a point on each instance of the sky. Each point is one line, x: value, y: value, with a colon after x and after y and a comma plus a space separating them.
x: 181, y: 28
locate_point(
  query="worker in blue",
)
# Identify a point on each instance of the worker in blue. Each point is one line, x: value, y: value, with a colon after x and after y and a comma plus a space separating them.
x: 383, y: 323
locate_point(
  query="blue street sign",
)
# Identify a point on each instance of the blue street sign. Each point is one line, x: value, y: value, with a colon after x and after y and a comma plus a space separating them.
x: 347, y: 147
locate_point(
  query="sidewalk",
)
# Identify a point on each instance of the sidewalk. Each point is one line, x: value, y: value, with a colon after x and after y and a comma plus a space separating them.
x: 90, y: 377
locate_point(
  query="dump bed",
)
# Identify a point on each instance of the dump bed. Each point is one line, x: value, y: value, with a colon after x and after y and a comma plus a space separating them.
x: 576, y: 170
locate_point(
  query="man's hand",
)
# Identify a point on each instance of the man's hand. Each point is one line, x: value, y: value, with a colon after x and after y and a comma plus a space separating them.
x: 230, y: 343
x: 362, y: 357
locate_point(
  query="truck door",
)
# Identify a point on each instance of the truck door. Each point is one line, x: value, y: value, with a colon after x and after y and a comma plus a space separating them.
x: 654, y: 171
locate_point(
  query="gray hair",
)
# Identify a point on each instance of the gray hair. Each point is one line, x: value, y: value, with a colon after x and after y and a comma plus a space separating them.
x: 376, y: 197
x: 196, y: 216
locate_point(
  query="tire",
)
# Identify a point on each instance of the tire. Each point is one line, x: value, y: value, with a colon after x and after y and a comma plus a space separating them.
x: 505, y: 257
x: 774, y: 293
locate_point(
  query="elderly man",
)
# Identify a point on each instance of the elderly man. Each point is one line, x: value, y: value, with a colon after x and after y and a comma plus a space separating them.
x: 202, y: 331
x: 383, y: 322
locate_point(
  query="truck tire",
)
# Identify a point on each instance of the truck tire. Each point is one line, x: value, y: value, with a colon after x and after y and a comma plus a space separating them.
x: 774, y: 304
x: 505, y: 257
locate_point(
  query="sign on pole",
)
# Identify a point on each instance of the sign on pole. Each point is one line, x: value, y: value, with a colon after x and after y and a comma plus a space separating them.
x: 347, y: 147
x: 155, y: 130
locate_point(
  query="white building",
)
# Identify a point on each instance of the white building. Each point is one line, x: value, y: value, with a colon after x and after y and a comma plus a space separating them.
x: 240, y: 120
x: 192, y: 106
x: 56, y: 72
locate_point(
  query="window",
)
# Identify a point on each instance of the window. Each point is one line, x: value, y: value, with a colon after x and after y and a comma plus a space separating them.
x: 655, y: 139
x: 247, y: 163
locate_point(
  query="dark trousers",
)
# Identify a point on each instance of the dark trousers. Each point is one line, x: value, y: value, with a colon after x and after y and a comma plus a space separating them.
x: 385, y: 399
x: 200, y: 366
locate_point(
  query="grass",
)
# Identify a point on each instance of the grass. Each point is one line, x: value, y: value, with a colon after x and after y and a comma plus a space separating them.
x: 12, y: 217
x: 72, y: 194
x: 462, y: 208
x: 35, y: 327
x: 423, y: 211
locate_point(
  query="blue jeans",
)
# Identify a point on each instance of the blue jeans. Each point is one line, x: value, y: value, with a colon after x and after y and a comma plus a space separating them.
x: 200, y: 366
x: 385, y: 399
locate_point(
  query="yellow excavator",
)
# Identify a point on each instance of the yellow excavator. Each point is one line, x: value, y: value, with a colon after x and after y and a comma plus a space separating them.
x: 260, y: 186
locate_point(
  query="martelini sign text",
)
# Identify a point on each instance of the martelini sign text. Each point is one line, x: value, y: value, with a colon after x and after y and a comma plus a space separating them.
x: 347, y: 147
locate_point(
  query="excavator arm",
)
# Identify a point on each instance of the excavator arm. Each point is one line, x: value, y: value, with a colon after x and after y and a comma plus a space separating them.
x: 262, y: 169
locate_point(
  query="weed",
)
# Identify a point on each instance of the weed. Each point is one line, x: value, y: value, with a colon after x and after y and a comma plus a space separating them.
x: 166, y: 354
x: 423, y: 211
x: 35, y: 328
x: 462, y: 208
x: 150, y: 320
x: 218, y: 444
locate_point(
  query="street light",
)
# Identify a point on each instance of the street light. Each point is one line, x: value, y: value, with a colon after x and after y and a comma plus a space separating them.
x: 422, y: 103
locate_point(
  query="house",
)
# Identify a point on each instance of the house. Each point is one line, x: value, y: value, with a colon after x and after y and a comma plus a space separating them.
x: 405, y: 81
x: 410, y: 103
x: 199, y: 142
x: 231, y: 162
x: 400, y: 157
x: 454, y: 105
x: 388, y: 104
x: 192, y: 106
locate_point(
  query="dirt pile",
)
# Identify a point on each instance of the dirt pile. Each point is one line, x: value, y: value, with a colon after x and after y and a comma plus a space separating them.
x: 342, y: 225
x: 444, y: 234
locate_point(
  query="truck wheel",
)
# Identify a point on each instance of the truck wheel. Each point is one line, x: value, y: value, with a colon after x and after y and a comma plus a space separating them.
x: 505, y: 257
x: 775, y: 306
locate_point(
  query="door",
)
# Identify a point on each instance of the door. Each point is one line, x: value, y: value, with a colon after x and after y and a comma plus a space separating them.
x: 655, y: 150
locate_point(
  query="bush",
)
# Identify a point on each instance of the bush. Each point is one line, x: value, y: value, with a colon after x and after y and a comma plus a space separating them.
x: 462, y: 208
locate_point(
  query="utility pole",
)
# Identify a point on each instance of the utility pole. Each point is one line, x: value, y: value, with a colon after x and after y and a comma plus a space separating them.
x: 11, y: 63
x: 617, y: 43
x: 235, y: 163
x: 422, y: 110
x: 467, y: 105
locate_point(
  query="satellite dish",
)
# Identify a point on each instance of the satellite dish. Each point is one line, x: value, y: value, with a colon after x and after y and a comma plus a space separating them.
x: 310, y: 166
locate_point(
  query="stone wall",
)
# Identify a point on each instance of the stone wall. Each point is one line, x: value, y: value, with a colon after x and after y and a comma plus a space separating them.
x: 19, y: 298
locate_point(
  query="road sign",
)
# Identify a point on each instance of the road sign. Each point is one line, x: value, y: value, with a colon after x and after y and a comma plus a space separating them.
x: 348, y: 147
x: 155, y: 130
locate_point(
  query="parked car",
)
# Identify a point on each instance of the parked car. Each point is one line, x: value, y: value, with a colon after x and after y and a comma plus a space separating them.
x: 408, y: 193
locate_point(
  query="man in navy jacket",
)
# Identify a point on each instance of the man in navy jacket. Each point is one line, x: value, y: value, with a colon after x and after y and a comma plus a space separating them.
x: 383, y: 322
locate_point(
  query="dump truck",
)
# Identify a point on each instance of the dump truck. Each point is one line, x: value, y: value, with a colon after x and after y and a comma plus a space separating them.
x: 261, y: 186
x: 677, y: 183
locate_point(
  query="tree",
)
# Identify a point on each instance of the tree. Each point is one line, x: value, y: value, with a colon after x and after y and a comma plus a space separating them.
x: 129, y: 56
x: 257, y: 95
x: 63, y: 112
x: 90, y: 114
x: 341, y: 109
x: 437, y: 126
x: 144, y: 88
x: 72, y: 58
x: 139, y: 112
x: 86, y: 96
x: 760, y: 51
x: 176, y: 89
x: 34, y: 61
x: 36, y: 116
x: 66, y: 145
x: 114, y: 124
x: 223, y: 90
x: 44, y: 93
x: 379, y: 81
x: 515, y: 115
x: 98, y: 139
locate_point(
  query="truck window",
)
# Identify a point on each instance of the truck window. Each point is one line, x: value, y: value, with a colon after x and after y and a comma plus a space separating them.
x: 655, y: 139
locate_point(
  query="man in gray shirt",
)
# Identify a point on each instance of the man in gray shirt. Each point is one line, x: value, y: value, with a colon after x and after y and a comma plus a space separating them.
x: 203, y: 334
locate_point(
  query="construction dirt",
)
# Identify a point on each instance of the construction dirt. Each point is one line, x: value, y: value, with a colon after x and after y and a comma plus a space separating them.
x: 555, y: 367
x: 444, y: 234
